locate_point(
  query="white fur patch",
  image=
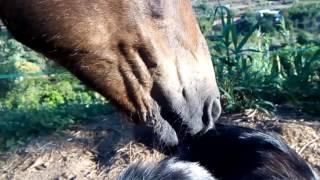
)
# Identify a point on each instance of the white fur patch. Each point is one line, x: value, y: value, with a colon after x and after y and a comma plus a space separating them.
x: 166, y: 169
x: 193, y: 170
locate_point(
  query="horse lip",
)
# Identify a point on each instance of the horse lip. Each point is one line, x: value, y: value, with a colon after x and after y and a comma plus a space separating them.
x: 206, y: 129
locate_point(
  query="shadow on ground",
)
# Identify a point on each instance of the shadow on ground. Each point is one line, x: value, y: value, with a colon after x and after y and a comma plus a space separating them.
x: 102, y: 148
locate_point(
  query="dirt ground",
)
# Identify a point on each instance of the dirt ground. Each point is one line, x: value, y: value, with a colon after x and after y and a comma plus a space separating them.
x: 104, y: 147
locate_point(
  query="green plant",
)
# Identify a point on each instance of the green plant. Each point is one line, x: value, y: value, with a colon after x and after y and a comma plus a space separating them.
x: 299, y: 68
x: 38, y: 97
x: 234, y: 63
x: 304, y: 19
x: 257, y: 68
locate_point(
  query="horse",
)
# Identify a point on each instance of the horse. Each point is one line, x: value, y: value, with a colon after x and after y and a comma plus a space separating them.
x: 148, y: 57
x: 228, y: 152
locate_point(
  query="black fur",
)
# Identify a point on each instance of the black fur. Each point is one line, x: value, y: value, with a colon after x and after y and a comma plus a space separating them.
x: 233, y: 152
x: 229, y: 153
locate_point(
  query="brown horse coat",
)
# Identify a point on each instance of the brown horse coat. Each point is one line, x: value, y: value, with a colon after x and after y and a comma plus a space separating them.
x: 147, y: 56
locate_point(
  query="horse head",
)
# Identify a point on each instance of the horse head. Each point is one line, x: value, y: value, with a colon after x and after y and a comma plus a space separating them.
x: 148, y: 57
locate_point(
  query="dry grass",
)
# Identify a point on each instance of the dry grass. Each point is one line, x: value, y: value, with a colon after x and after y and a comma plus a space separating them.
x: 131, y: 153
x: 100, y: 151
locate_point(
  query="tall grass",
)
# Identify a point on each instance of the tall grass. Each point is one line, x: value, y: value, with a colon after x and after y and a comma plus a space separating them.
x: 258, y: 69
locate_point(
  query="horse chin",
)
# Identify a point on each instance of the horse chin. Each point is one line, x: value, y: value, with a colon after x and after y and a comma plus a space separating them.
x: 166, y: 134
x: 160, y: 136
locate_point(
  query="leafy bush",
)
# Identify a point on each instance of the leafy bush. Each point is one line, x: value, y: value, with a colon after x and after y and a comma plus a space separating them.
x: 304, y: 18
x: 37, y: 96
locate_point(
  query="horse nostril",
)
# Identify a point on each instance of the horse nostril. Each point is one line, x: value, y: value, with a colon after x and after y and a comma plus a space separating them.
x: 211, y: 112
x: 216, y: 109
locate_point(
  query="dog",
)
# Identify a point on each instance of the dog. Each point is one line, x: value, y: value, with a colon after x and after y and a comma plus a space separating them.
x: 228, y: 152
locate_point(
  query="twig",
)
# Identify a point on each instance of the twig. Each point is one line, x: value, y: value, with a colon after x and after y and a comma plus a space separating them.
x: 130, y: 152
x: 308, y: 144
x: 252, y: 114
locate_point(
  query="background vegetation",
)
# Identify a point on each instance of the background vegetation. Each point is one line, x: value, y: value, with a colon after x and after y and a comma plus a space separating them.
x: 37, y: 97
x: 264, y: 61
x: 259, y: 62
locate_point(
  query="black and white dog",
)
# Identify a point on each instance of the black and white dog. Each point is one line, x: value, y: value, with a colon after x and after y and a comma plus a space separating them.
x: 229, y: 153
